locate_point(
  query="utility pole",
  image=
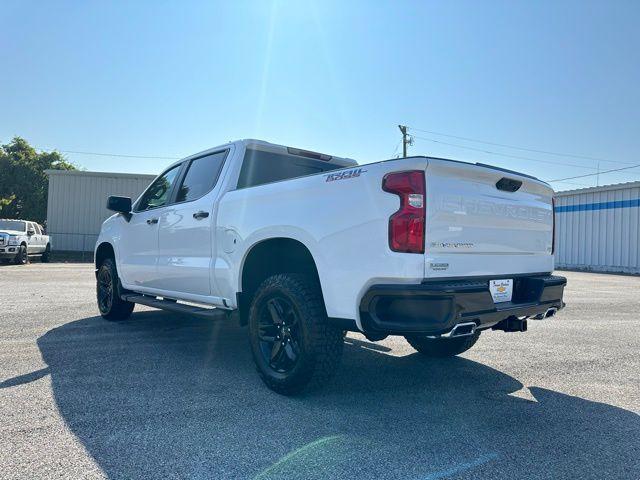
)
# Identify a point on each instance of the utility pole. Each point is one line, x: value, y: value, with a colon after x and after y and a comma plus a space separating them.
x: 405, y: 140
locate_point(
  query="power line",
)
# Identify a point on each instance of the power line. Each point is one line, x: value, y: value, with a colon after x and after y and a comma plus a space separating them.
x: 592, y: 174
x: 548, y: 152
x: 396, y: 149
x: 534, y: 160
x: 576, y: 184
x: 102, y: 154
x: 504, y: 154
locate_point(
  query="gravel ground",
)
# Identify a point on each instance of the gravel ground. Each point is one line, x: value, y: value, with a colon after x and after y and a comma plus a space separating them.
x: 168, y: 396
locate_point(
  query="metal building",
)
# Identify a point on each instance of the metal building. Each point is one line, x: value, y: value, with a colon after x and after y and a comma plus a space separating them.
x: 598, y: 228
x: 76, y: 205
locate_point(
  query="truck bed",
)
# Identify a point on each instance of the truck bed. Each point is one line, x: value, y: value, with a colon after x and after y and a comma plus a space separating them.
x: 472, y: 228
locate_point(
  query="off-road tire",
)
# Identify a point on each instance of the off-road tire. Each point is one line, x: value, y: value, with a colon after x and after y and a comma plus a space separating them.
x: 319, y: 344
x: 110, y: 305
x: 21, y: 258
x: 46, y: 256
x: 443, y: 347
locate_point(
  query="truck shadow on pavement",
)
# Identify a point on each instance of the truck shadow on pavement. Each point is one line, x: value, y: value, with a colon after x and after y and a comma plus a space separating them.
x: 164, y: 396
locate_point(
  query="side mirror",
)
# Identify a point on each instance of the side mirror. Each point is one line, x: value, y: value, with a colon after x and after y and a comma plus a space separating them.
x: 119, y: 204
x: 31, y: 231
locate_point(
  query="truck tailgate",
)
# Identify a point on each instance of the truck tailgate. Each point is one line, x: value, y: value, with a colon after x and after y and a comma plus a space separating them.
x: 479, y: 224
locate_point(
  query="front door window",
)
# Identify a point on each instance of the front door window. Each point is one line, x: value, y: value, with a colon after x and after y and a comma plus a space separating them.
x: 157, y: 195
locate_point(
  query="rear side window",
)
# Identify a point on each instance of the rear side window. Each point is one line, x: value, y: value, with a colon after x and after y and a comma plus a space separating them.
x: 201, y: 176
x: 260, y: 167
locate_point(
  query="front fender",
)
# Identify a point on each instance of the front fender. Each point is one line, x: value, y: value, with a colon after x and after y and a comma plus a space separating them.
x: 110, y: 232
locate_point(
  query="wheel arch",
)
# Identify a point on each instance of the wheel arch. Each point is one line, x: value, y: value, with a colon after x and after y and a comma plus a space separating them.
x: 270, y: 257
x: 103, y: 251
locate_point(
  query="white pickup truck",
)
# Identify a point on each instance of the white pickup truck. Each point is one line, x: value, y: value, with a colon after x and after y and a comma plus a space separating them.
x: 21, y: 239
x: 303, y: 246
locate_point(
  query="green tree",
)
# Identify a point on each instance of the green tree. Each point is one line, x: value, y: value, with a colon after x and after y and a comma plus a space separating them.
x: 23, y: 183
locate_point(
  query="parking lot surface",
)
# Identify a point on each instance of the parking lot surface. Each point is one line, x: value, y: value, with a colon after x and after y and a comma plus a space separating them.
x: 169, y: 396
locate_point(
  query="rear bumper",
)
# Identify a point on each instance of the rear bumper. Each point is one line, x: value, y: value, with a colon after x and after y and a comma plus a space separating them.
x: 435, y: 307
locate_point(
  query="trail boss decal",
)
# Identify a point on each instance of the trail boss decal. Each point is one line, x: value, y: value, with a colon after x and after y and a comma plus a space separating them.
x: 453, y: 245
x: 345, y: 174
x: 439, y: 267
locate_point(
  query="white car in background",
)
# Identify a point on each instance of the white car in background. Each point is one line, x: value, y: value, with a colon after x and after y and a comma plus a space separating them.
x: 21, y: 239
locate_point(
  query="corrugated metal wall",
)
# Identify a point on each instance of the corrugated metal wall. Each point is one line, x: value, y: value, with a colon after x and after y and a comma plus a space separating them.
x: 599, y: 228
x: 77, y: 201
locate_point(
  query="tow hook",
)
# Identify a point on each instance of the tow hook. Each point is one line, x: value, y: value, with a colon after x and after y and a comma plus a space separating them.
x: 512, y: 324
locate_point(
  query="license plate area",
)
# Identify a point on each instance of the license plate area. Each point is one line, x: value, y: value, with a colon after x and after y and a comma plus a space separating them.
x: 501, y: 290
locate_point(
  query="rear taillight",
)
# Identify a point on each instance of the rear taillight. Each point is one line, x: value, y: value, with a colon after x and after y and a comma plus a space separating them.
x: 406, y: 226
x: 553, y: 228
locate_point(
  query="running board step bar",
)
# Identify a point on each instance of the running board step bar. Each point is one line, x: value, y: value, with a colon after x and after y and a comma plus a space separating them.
x: 173, y: 306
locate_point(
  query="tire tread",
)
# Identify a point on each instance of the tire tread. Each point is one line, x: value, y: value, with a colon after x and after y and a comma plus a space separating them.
x: 327, y: 341
x: 120, y: 309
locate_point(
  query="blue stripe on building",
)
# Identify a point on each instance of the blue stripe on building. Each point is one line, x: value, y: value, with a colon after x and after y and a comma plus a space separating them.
x: 598, y: 206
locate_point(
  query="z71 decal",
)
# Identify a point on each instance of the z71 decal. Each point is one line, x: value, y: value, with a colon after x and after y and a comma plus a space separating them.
x: 345, y: 174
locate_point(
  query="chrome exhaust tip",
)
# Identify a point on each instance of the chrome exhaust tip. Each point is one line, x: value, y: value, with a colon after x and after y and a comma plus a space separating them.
x: 548, y: 314
x: 461, y: 330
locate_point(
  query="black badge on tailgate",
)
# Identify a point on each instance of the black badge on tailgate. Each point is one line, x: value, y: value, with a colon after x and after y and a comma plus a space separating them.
x: 508, y: 184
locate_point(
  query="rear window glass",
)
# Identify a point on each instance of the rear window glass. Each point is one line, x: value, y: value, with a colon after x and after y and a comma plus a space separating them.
x: 260, y: 167
x: 201, y: 177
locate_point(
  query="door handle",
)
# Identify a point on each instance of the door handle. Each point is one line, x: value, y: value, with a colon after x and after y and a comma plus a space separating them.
x: 152, y: 221
x: 200, y: 215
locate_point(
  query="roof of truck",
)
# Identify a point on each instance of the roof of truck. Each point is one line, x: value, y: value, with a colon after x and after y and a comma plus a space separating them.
x: 274, y: 147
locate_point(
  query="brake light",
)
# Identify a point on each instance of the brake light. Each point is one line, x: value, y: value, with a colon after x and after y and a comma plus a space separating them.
x: 553, y: 228
x: 406, y: 226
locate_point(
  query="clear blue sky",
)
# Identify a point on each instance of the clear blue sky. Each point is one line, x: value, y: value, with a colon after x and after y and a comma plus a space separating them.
x: 172, y: 78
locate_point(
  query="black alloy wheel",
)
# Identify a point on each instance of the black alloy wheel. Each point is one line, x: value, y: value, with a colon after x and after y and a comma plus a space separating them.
x: 46, y: 256
x: 22, y: 257
x: 111, y: 306
x: 279, y: 334
x: 293, y: 344
x: 105, y: 289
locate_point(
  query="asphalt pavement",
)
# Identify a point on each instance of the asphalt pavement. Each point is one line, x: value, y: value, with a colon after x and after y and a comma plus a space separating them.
x: 169, y: 396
